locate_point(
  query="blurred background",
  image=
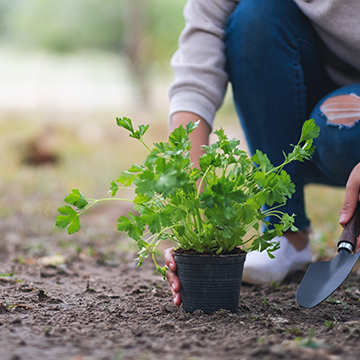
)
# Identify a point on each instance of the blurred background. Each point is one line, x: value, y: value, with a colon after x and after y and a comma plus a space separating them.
x: 73, y: 59
x: 67, y: 70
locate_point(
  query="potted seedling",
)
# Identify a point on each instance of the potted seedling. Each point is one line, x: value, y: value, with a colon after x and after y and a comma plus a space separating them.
x: 207, y: 212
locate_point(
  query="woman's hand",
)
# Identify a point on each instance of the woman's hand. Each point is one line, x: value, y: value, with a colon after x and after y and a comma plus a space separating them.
x: 352, y: 197
x: 171, y: 276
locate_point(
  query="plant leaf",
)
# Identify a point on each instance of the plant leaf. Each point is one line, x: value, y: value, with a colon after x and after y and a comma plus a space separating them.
x: 143, y: 129
x: 309, y: 130
x: 262, y: 160
x: 191, y: 126
x: 133, y: 225
x: 125, y: 123
x: 77, y: 199
x: 135, y: 168
x: 126, y: 178
x: 69, y: 218
x: 113, y: 188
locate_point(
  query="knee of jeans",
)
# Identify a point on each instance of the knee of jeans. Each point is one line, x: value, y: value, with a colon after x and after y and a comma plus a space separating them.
x: 338, y: 116
x: 341, y: 110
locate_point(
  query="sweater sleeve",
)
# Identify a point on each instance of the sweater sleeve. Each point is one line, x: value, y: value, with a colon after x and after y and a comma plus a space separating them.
x: 200, y: 79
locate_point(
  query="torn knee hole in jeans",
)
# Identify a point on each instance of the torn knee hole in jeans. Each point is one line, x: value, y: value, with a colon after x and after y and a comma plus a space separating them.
x: 342, y: 110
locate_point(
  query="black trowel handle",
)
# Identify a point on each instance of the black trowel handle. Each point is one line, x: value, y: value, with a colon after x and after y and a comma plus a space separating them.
x: 351, y: 231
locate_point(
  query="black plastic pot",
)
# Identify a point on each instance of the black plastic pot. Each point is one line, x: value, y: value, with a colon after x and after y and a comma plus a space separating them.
x: 210, y: 282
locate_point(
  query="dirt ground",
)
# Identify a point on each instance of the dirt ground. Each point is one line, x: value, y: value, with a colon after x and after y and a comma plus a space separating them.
x: 93, y: 306
x: 82, y: 297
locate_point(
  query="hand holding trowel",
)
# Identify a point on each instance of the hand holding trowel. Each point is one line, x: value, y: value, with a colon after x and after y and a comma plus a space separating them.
x: 323, y: 278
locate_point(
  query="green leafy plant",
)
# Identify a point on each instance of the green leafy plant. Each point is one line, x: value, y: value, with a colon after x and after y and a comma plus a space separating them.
x: 212, y: 208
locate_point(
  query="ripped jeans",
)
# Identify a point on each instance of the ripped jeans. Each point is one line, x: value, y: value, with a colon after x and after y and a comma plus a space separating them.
x: 276, y: 68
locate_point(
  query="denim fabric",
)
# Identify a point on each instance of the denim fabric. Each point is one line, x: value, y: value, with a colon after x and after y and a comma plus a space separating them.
x: 338, y: 146
x: 278, y: 78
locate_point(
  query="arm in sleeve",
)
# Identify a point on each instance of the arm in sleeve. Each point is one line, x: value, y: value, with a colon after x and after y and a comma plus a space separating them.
x: 199, y: 63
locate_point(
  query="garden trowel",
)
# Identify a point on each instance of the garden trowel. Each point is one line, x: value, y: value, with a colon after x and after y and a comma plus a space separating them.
x: 323, y: 278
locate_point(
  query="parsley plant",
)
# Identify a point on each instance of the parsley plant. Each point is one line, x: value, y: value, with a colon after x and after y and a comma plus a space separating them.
x: 169, y: 204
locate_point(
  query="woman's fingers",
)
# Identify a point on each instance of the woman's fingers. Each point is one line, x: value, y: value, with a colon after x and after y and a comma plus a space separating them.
x: 352, y: 192
x: 174, y: 285
x: 169, y: 259
x: 171, y: 276
x: 352, y: 197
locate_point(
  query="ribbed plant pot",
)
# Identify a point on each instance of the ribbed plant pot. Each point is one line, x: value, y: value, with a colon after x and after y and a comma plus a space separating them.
x: 210, y: 282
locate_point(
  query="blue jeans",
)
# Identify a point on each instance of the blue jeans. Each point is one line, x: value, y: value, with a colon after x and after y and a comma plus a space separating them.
x: 276, y: 67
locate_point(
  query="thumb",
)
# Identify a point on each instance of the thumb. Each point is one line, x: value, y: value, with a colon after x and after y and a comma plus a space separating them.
x: 346, y: 213
x: 351, y: 200
x: 349, y: 206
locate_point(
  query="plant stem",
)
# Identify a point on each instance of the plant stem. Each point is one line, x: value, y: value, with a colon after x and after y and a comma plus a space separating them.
x: 201, y: 181
x: 142, y: 141
x: 95, y: 201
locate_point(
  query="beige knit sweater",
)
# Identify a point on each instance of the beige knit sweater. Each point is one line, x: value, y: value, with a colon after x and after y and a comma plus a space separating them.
x: 199, y: 64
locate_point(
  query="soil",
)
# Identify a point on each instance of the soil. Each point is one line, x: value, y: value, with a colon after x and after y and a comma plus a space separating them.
x: 191, y: 252
x: 91, y: 308
x: 82, y: 297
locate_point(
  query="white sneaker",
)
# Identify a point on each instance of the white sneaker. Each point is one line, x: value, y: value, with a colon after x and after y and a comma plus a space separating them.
x: 260, y: 269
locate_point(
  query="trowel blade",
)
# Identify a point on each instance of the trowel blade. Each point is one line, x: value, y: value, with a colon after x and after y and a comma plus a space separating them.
x: 323, y: 278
